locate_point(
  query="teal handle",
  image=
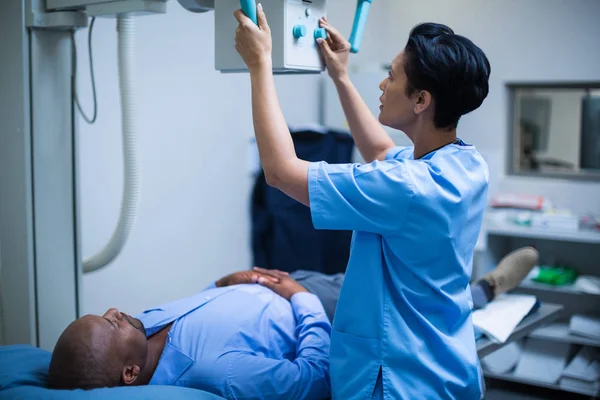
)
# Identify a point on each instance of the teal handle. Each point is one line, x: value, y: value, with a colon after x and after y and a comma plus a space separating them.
x: 358, y: 28
x: 249, y: 9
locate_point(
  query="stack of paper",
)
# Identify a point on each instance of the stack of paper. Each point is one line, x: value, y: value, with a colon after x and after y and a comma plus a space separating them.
x: 502, y: 360
x: 556, y: 220
x: 542, y: 360
x: 500, y: 317
x: 585, y: 326
x: 583, y: 372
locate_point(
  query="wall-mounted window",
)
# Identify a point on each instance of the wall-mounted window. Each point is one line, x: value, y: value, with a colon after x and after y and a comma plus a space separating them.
x: 555, y: 129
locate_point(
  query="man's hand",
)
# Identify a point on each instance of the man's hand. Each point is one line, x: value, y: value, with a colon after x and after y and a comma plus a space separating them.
x: 241, y: 277
x: 286, y: 287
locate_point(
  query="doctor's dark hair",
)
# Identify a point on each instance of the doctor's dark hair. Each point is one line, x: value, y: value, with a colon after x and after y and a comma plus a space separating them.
x: 450, y: 67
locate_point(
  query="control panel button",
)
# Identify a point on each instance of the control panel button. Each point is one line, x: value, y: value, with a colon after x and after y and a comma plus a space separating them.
x: 299, y: 31
x: 320, y: 33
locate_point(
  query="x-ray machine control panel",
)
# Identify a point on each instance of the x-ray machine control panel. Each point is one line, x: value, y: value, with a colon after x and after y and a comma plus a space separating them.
x: 294, y: 28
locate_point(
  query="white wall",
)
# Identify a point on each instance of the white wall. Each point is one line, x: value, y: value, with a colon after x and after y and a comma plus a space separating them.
x: 194, y: 128
x: 195, y: 123
x: 533, y: 40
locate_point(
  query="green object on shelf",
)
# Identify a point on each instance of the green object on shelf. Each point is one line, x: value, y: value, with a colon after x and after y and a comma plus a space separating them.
x: 556, y: 275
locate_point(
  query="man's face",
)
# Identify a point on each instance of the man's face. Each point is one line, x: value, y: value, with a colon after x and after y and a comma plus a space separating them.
x: 397, y: 109
x: 124, y: 322
x: 121, y: 336
x: 99, y: 351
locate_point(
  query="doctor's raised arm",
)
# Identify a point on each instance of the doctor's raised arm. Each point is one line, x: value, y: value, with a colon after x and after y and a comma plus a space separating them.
x: 372, y: 140
x: 282, y: 168
x: 253, y: 42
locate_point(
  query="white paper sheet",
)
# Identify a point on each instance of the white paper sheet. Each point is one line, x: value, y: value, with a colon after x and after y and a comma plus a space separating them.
x: 500, y: 317
x: 542, y: 360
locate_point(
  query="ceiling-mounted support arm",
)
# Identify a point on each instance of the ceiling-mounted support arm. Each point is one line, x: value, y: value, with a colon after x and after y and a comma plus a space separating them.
x: 198, y: 6
x: 96, y: 8
x: 38, y: 17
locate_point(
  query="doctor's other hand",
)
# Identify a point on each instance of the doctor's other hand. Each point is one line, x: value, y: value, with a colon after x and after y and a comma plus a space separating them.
x: 252, y: 41
x: 242, y: 277
x: 335, y: 50
x: 286, y: 288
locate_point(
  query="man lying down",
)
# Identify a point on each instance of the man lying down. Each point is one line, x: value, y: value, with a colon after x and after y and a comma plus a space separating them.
x: 253, y: 335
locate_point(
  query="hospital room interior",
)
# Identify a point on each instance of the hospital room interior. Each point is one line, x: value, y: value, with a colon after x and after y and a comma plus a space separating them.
x: 130, y: 175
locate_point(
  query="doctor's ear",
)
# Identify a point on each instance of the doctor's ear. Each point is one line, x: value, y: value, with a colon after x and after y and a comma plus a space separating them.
x: 423, y: 101
x: 129, y: 374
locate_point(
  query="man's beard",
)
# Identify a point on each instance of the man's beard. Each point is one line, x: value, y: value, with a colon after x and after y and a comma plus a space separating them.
x: 136, y: 323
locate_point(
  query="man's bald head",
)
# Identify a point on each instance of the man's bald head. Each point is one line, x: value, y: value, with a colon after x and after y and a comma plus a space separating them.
x: 99, y: 351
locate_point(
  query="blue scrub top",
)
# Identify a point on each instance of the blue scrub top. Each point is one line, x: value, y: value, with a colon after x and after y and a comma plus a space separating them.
x: 405, y: 305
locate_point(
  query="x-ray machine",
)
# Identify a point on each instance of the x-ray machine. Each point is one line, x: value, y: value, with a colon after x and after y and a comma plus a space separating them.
x: 40, y: 256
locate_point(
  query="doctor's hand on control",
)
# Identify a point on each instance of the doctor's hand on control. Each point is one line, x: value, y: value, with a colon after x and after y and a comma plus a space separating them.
x: 286, y: 287
x: 335, y: 50
x: 252, y: 41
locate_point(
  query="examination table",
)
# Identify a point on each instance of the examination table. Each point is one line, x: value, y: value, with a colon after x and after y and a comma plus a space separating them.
x: 24, y: 372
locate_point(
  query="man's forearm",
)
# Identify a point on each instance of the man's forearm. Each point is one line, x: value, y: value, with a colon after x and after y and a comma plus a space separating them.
x: 370, y: 137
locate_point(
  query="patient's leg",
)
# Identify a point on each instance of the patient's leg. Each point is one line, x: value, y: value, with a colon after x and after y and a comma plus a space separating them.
x: 509, y: 273
x: 511, y: 270
x: 325, y: 287
x: 482, y: 294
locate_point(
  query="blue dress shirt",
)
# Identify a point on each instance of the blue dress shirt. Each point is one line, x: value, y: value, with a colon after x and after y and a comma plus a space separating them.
x: 402, y: 327
x: 244, y: 342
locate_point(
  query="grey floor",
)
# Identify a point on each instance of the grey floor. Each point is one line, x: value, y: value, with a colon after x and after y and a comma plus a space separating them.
x: 505, y: 394
x: 509, y: 391
x: 502, y: 394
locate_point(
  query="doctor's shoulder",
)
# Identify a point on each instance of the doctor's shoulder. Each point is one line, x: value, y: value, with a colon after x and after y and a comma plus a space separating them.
x: 461, y: 167
x: 400, y: 152
x: 477, y: 163
x: 470, y: 157
x: 475, y: 170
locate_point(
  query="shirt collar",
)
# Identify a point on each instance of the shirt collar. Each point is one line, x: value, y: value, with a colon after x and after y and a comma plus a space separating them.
x: 156, y: 318
x: 457, y: 141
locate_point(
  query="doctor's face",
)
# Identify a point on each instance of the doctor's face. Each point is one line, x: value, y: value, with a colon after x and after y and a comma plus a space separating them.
x: 396, y: 109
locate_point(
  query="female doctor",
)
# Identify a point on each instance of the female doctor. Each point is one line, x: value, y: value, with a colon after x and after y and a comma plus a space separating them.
x: 403, y: 327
